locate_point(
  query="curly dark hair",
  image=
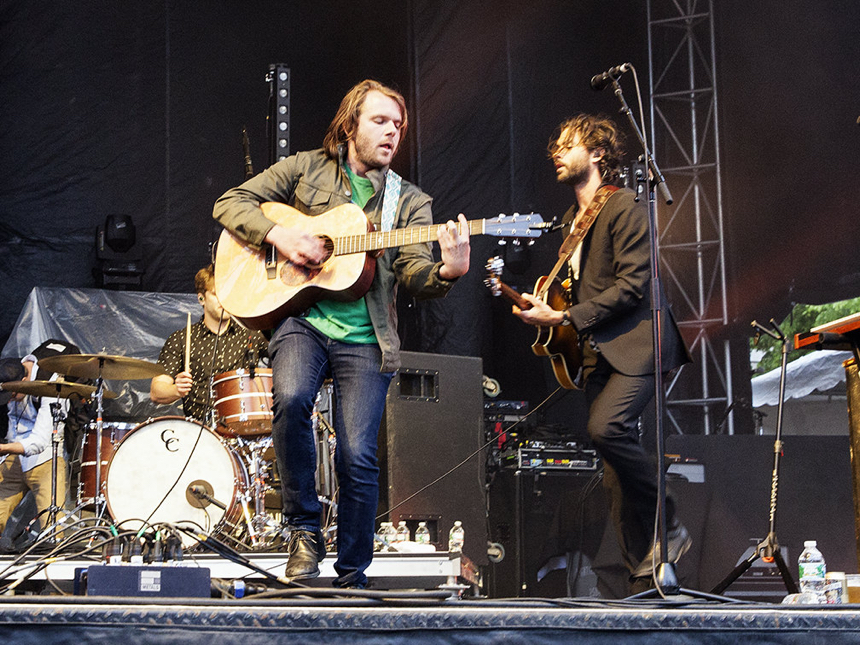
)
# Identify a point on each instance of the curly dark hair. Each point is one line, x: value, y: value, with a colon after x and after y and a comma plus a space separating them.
x: 595, y: 132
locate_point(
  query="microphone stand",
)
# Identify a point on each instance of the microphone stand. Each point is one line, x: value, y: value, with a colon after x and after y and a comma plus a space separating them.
x: 664, y: 577
x: 769, y: 549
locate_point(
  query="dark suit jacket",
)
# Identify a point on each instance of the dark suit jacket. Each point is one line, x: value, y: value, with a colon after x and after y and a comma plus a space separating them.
x: 612, y: 298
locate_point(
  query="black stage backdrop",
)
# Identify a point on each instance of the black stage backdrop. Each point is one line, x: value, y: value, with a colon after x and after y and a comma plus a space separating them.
x: 138, y: 108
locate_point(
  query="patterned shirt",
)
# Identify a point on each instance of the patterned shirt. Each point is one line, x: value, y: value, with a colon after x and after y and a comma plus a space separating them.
x: 232, y: 354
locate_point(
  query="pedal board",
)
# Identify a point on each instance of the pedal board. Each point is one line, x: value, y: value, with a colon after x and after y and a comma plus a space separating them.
x: 148, y: 581
x: 540, y: 455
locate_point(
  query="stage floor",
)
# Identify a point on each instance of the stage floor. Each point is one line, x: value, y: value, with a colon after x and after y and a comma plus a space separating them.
x: 427, y: 598
x: 395, y: 617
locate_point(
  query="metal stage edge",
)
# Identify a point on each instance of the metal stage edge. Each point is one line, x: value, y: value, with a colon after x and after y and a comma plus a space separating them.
x: 387, y: 571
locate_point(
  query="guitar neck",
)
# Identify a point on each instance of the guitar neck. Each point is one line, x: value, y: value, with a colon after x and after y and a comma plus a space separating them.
x: 514, y: 296
x: 397, y: 237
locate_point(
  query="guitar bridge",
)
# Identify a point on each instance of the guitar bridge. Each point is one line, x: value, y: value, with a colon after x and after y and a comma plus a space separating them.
x: 271, y: 262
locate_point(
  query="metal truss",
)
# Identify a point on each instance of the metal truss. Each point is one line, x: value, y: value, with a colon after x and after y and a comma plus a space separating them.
x: 685, y: 140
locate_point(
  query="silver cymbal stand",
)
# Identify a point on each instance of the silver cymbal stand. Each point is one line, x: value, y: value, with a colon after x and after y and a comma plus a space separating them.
x: 98, y: 497
x: 56, y: 440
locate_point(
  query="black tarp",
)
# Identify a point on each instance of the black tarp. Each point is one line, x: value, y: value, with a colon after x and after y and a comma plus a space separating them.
x: 138, y: 109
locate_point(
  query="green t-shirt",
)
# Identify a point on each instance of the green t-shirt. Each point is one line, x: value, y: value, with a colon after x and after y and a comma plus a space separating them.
x: 347, y: 321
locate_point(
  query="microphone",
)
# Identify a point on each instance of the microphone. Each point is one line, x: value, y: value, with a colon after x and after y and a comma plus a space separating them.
x: 197, y: 494
x: 251, y: 357
x: 246, y: 148
x: 599, y: 81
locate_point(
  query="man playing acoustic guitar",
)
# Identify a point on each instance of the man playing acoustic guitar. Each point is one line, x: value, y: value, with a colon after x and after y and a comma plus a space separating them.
x: 610, y: 288
x: 353, y: 342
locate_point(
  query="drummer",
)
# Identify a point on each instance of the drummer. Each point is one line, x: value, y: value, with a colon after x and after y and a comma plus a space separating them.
x: 218, y: 344
x: 26, y: 449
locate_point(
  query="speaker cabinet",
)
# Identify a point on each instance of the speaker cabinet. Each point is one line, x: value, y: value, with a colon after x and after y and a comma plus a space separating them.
x: 726, y: 506
x: 430, y: 449
x: 551, y: 525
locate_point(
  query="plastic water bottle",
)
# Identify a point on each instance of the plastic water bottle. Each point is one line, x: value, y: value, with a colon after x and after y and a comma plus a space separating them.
x: 812, y: 570
x: 456, y: 537
x: 422, y: 533
x: 382, y: 537
x: 389, y: 534
x: 402, y: 533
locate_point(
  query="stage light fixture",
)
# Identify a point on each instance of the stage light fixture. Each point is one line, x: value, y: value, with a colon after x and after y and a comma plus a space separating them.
x: 278, y: 119
x: 118, y: 263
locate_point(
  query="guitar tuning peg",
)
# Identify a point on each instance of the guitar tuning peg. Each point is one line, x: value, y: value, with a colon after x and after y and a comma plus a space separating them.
x: 502, y: 242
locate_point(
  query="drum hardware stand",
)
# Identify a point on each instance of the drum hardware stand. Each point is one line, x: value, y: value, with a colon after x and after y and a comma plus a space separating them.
x: 326, y: 484
x: 768, y: 550
x: 260, y: 526
x: 56, y: 438
x: 49, y: 533
x: 98, y: 497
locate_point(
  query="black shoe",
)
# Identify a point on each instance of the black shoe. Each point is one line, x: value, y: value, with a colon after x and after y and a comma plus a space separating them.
x: 679, y: 542
x: 306, y: 550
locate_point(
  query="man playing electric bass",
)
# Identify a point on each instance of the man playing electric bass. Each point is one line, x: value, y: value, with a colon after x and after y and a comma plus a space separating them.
x: 353, y: 342
x: 611, y: 311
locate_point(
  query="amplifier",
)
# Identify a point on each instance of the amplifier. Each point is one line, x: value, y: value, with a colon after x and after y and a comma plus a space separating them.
x: 538, y: 455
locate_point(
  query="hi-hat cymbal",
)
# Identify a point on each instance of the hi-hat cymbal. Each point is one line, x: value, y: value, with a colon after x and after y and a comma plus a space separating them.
x: 94, y: 365
x: 56, y: 389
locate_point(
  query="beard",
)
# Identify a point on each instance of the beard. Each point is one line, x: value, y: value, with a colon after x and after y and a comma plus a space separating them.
x: 575, y: 175
x: 370, y: 154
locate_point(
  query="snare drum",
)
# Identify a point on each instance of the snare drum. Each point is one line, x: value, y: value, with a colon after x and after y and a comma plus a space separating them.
x: 243, y: 404
x: 152, y: 470
x: 112, y: 434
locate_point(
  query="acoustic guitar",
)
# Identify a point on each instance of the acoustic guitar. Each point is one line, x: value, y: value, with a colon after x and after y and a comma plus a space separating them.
x: 260, y: 288
x: 560, y: 343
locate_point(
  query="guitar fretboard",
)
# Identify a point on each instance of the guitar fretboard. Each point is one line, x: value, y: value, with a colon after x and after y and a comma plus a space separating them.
x: 417, y: 235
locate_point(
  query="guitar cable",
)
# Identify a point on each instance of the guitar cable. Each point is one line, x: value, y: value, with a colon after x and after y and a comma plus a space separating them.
x: 473, y: 454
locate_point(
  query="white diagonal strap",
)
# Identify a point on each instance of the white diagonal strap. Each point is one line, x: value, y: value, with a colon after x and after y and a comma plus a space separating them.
x: 390, y: 199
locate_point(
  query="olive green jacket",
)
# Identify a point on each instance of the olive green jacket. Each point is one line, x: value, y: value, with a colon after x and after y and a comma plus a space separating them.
x: 314, y: 184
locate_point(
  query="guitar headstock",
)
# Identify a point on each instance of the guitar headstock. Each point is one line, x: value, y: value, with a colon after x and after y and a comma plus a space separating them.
x: 495, y: 265
x: 516, y: 225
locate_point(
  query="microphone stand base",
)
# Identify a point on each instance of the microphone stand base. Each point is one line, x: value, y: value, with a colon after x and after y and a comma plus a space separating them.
x: 667, y: 580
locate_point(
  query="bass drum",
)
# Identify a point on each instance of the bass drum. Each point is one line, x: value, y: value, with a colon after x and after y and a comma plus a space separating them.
x: 152, y: 470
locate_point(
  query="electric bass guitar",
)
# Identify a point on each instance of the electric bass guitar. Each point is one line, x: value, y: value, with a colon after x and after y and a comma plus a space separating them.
x: 260, y: 288
x: 561, y: 342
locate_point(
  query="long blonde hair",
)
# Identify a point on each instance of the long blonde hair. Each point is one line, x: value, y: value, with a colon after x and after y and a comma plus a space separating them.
x: 343, y: 126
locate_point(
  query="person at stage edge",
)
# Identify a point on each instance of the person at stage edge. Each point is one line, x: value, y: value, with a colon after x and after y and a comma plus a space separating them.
x: 25, y: 452
x: 218, y: 345
x: 611, y: 291
x: 353, y: 343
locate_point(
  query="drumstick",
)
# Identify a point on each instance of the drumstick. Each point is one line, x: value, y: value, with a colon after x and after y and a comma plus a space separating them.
x: 188, y: 343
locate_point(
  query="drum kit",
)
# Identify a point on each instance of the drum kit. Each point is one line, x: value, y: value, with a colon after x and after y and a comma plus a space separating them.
x: 175, y: 470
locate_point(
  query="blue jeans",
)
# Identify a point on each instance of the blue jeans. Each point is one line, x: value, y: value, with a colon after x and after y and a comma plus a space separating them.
x: 302, y: 358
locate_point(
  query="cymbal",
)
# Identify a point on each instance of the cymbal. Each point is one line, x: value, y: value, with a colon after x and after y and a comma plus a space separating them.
x: 94, y: 365
x: 56, y: 389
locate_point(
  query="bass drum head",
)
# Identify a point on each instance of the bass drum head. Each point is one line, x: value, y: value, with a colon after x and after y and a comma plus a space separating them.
x: 154, y: 466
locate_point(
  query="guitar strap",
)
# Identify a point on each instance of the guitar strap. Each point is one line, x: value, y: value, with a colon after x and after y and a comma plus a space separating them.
x: 390, y: 199
x: 581, y: 225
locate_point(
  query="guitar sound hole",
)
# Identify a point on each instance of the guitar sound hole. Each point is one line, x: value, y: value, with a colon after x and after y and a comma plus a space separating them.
x: 329, y: 251
x: 294, y: 275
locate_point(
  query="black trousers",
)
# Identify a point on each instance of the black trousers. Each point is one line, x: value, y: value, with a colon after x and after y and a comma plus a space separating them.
x: 615, y: 403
